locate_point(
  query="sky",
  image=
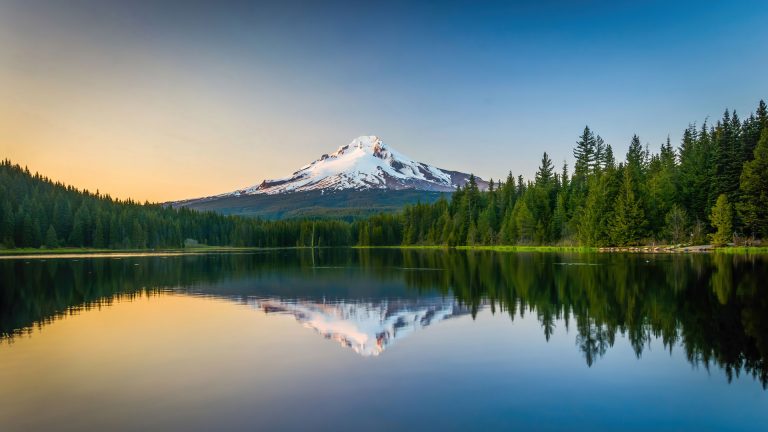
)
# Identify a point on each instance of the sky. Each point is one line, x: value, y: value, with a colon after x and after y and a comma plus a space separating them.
x: 165, y: 100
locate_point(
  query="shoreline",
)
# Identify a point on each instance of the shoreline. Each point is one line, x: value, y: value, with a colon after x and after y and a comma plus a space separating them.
x: 119, y: 253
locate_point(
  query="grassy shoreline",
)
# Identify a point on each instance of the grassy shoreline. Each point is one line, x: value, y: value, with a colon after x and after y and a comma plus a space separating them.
x: 585, y: 249
x: 32, y: 252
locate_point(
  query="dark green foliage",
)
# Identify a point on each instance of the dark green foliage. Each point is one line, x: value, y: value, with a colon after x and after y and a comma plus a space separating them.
x: 51, y: 240
x: 676, y: 222
x: 722, y: 220
x: 662, y: 197
x: 753, y: 207
x: 627, y: 224
x: 726, y: 164
x: 35, y: 211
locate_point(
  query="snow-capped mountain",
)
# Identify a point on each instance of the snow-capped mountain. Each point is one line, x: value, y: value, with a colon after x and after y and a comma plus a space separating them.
x: 368, y: 328
x: 365, y: 163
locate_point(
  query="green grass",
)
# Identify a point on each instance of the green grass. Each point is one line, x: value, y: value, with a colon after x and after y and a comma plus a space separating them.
x: 582, y: 249
x: 489, y: 248
x: 404, y: 247
x: 742, y: 249
x: 530, y: 248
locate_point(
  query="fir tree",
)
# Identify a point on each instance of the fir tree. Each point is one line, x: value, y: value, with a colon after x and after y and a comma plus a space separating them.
x: 676, y: 222
x: 600, y: 155
x: 585, y: 153
x: 722, y: 220
x: 628, y: 220
x: 545, y: 174
x: 753, y: 205
x: 636, y: 158
x: 524, y: 222
x: 591, y: 224
x: 51, y: 239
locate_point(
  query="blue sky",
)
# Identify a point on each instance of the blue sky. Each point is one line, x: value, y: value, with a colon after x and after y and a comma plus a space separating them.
x: 151, y: 94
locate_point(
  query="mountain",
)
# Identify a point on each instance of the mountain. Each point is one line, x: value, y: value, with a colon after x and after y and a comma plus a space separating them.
x: 365, y: 163
x: 363, y: 177
x: 368, y: 328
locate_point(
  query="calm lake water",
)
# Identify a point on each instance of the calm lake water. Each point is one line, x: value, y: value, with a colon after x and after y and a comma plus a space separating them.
x: 384, y: 340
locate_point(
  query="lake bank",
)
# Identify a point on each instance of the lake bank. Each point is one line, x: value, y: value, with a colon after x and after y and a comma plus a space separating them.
x: 90, y: 252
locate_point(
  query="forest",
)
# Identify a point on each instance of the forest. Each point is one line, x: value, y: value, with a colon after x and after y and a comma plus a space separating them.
x: 37, y: 212
x: 712, y: 188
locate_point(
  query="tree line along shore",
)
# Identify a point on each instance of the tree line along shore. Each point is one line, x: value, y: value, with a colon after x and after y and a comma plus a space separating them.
x: 711, y: 189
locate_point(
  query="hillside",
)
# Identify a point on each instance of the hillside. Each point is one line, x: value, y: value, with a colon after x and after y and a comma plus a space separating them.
x: 344, y: 204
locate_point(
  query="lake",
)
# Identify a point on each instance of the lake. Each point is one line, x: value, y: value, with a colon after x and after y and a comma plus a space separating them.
x: 360, y: 339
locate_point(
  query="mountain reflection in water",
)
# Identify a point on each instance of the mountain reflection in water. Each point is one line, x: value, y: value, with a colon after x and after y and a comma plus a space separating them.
x: 713, y: 306
x: 368, y: 328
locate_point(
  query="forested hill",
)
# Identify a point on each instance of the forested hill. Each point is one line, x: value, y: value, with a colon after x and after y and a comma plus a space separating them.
x: 35, y: 212
x: 712, y: 187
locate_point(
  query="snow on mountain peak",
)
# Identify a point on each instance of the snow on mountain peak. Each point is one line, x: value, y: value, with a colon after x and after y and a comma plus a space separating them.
x: 367, y: 327
x: 364, y: 163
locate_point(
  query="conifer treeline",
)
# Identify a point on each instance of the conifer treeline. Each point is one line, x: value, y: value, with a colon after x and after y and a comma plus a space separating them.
x: 35, y: 212
x: 713, y: 187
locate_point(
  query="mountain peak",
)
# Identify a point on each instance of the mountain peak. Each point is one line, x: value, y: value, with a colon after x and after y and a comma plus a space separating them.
x: 364, y: 163
x: 366, y: 142
x: 370, y: 144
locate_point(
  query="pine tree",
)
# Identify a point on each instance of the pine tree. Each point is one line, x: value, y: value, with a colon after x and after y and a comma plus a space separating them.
x: 7, y: 222
x: 753, y: 205
x: 636, y: 158
x: 545, y: 174
x: 51, y: 239
x: 762, y: 114
x: 524, y: 222
x: 693, y: 177
x: 564, y: 178
x: 676, y: 222
x: 487, y: 223
x: 77, y: 236
x: 585, y: 153
x: 138, y: 236
x: 661, y: 185
x: 600, y: 155
x: 726, y: 168
x: 560, y: 217
x: 593, y: 215
x: 609, y: 160
x: 628, y: 221
x: 722, y: 220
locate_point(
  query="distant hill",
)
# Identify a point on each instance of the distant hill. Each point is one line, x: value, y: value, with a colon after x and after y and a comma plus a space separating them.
x: 343, y: 204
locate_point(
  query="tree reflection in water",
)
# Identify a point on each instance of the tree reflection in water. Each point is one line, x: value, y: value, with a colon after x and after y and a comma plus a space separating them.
x: 714, y: 306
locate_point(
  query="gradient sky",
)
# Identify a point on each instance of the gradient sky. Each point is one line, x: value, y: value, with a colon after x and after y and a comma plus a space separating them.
x: 168, y: 100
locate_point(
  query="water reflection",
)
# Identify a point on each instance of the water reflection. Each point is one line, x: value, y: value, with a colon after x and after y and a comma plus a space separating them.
x: 367, y: 327
x: 714, y: 306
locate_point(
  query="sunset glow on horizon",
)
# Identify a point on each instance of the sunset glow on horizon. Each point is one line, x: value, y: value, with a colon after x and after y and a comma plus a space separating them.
x: 170, y: 100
